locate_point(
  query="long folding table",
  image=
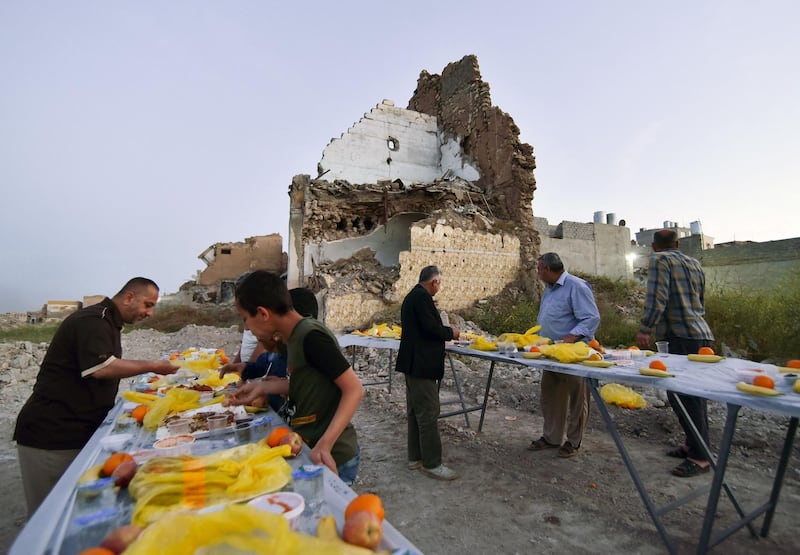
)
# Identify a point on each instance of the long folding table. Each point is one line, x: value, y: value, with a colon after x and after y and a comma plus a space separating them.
x: 713, y: 381
x: 50, y: 531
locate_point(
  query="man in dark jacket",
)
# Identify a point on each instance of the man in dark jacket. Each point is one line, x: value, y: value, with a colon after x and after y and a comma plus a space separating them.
x: 421, y: 359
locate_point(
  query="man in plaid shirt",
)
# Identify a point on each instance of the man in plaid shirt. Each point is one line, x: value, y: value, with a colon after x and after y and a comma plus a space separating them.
x: 674, y: 311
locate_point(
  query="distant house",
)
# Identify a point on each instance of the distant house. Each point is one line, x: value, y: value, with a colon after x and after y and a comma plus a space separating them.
x: 225, y: 262
x: 739, y: 265
x: 60, y: 309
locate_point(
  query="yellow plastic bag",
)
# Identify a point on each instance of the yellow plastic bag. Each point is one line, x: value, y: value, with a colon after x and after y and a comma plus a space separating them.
x: 480, y: 343
x: 169, y: 484
x: 522, y: 340
x: 566, y: 352
x: 625, y: 397
x: 211, y: 378
x: 234, y: 529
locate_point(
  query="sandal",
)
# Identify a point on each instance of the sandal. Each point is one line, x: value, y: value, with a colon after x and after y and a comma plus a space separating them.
x: 680, y: 452
x: 567, y: 450
x: 687, y: 469
x: 540, y: 444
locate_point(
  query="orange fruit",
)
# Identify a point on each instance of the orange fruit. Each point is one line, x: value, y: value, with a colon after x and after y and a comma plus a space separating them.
x: 705, y: 351
x: 223, y: 359
x: 764, y: 381
x: 658, y: 365
x: 794, y: 363
x: 274, y: 437
x: 96, y: 551
x: 594, y: 344
x: 138, y: 413
x: 595, y: 356
x: 113, y: 461
x: 535, y: 349
x: 633, y: 348
x: 365, y: 502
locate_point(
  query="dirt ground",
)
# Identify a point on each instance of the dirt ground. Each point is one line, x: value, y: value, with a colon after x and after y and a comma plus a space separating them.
x: 507, y: 500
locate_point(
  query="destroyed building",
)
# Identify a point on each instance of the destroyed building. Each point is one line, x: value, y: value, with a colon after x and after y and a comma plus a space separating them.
x: 445, y: 181
x: 225, y: 262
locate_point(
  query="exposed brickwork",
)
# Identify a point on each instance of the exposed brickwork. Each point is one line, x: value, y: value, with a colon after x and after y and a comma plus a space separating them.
x: 460, y: 100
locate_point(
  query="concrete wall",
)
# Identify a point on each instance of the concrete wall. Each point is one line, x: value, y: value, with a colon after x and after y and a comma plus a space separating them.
x: 391, y: 143
x: 227, y: 261
x: 644, y: 237
x: 387, y: 242
x: 590, y: 248
x: 90, y: 300
x: 61, y: 308
x: 474, y: 265
x: 751, y: 265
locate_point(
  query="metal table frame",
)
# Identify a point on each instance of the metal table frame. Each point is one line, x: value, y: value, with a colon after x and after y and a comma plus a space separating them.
x: 352, y: 342
x: 733, y: 402
x: 719, y: 466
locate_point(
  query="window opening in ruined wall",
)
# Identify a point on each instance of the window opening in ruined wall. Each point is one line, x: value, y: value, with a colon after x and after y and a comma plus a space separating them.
x: 356, y: 224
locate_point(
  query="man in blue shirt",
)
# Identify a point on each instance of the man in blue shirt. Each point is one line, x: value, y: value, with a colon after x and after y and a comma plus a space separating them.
x: 569, y: 314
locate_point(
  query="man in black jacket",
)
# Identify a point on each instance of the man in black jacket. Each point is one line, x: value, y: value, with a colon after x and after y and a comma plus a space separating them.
x: 421, y: 359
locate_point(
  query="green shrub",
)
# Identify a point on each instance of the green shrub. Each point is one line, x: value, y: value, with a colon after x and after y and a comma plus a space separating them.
x: 758, y: 324
x: 36, y: 333
x: 501, y: 317
x: 613, y: 297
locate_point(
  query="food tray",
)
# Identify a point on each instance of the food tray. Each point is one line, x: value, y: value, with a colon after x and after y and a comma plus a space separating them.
x: 238, y: 412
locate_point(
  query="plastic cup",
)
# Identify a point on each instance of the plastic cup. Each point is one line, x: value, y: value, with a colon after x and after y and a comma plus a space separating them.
x: 92, y: 528
x: 308, y: 481
x: 217, y: 430
x: 217, y: 422
x: 179, y: 426
x: 94, y: 496
x: 262, y: 426
x: 506, y: 347
x: 662, y: 347
x: 125, y: 424
x: 244, y: 432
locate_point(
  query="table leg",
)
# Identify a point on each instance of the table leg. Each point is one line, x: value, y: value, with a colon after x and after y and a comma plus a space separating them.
x: 715, y: 464
x: 391, y: 368
x: 788, y: 443
x: 719, y: 475
x: 486, y: 396
x: 612, y: 429
x: 458, y: 390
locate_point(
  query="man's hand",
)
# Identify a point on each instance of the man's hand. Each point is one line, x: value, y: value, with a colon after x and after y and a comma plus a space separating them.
x: 250, y: 393
x: 456, y: 332
x: 232, y: 368
x: 164, y: 367
x: 570, y: 338
x: 643, y: 340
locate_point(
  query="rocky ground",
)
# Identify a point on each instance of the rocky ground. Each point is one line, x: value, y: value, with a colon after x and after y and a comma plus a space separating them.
x: 508, y: 500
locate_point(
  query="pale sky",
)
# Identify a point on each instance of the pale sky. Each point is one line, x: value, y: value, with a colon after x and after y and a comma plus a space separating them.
x: 133, y: 135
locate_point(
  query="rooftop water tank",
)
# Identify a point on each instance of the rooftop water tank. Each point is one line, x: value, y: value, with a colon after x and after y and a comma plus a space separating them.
x: 599, y: 217
x: 611, y: 218
x: 696, y: 228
